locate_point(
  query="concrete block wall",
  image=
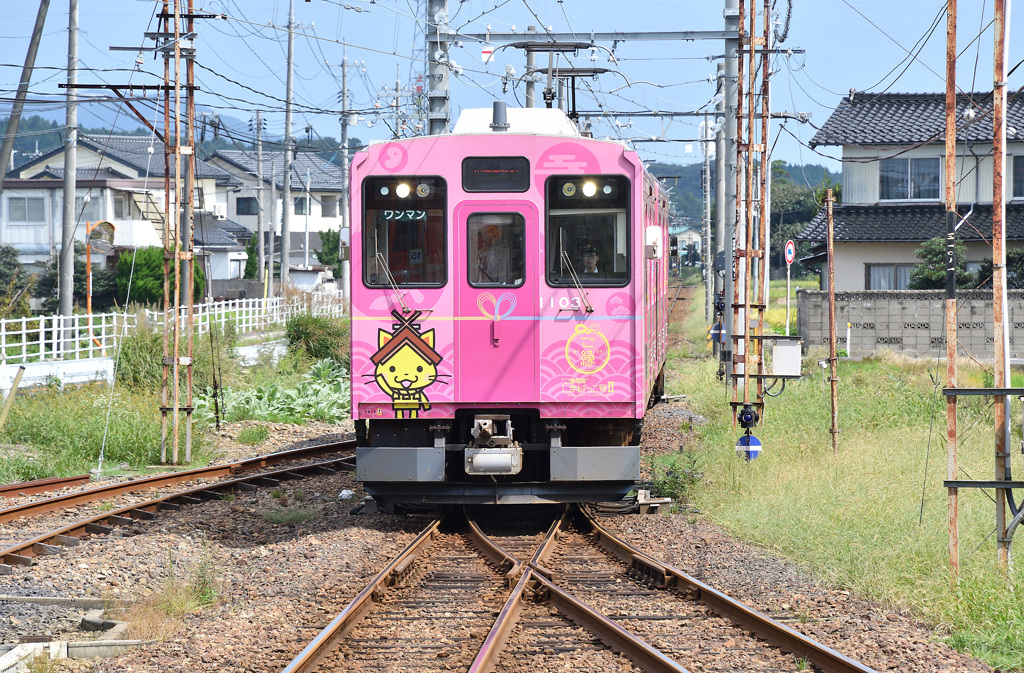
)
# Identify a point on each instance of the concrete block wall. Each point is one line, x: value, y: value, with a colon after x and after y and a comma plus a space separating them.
x: 912, y: 322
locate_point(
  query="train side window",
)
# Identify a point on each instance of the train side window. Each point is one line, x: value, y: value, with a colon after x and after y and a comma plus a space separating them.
x: 404, y: 231
x: 588, y: 230
x: 496, y: 245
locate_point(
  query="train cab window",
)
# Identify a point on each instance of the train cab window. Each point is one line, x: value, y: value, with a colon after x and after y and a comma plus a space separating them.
x: 404, y: 231
x: 496, y: 249
x: 588, y: 230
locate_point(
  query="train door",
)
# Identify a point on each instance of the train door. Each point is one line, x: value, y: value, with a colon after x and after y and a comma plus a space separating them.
x: 496, y: 305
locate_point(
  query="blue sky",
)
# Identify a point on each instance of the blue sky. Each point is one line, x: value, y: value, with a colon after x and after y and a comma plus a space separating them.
x: 860, y: 44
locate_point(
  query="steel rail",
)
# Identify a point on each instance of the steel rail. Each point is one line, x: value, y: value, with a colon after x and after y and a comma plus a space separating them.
x: 212, y: 471
x: 70, y: 535
x: 820, y: 656
x: 41, y: 485
x: 606, y: 630
x: 325, y: 642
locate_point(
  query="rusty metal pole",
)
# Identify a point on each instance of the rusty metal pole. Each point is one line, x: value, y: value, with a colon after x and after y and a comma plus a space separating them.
x: 833, y: 360
x: 175, y: 355
x: 764, y: 240
x: 953, y: 497
x: 165, y: 375
x: 999, y: 299
x: 748, y: 227
x: 190, y: 264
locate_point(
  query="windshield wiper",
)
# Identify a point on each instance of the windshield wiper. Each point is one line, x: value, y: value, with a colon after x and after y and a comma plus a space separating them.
x: 576, y: 281
x: 383, y: 263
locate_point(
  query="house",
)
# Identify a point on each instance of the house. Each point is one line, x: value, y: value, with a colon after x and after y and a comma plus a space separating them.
x: 220, y: 246
x: 119, y: 179
x: 893, y: 149
x: 320, y: 210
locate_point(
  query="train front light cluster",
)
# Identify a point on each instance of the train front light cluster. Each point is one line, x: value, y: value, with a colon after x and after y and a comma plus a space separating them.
x: 588, y: 188
x: 403, y: 190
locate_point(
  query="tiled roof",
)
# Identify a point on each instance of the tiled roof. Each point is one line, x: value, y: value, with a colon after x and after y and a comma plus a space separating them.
x: 81, y: 173
x: 134, y: 151
x: 323, y: 175
x: 909, y: 118
x: 210, y: 232
x: 909, y: 223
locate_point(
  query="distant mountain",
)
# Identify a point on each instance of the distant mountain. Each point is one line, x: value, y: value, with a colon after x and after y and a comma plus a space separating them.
x: 686, y: 191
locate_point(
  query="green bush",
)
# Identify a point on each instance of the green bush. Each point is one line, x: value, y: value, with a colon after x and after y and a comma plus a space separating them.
x: 140, y: 360
x: 147, y: 278
x: 319, y: 337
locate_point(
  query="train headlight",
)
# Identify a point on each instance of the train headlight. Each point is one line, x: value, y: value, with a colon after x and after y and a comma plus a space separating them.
x: 589, y: 189
x: 402, y: 191
x: 422, y: 190
x: 569, y: 189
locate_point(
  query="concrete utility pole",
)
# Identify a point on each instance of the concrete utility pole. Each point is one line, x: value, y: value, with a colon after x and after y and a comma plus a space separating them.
x: 531, y: 63
x: 720, y: 176
x: 273, y: 227
x: 439, y: 110
x: 260, y: 224
x: 19, y: 99
x: 709, y: 253
x: 731, y: 210
x: 344, y: 233
x: 66, y: 263
x: 286, y: 217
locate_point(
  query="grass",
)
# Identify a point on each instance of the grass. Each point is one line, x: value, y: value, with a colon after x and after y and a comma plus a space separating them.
x: 872, y: 518
x: 290, y: 515
x: 162, y: 614
x: 61, y: 432
x: 256, y: 434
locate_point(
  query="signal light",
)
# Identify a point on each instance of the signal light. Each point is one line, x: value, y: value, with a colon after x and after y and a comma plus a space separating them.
x: 569, y: 189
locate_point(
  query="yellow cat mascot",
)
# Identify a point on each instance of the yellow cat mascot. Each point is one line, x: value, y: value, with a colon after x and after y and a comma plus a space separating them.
x: 405, y: 364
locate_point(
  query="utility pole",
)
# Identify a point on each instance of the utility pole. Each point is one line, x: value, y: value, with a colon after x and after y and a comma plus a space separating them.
x: 730, y: 212
x: 709, y: 253
x: 305, y: 243
x: 720, y: 177
x: 19, y: 100
x: 952, y: 495
x: 999, y: 310
x: 345, y: 231
x: 260, y: 225
x: 438, y: 108
x: 286, y: 219
x: 273, y: 228
x: 66, y: 263
x: 531, y: 64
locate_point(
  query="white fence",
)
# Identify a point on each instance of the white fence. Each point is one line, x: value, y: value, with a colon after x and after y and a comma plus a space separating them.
x: 77, y: 337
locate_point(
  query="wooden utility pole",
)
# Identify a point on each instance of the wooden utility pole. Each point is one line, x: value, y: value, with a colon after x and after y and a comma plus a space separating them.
x: 833, y: 358
x: 19, y: 99
x: 999, y: 298
x: 951, y: 220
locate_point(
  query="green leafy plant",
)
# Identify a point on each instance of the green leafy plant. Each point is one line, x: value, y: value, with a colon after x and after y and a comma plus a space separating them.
x: 318, y: 336
x: 290, y: 515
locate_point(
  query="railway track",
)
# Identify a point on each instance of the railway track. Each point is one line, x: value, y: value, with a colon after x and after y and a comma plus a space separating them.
x: 41, y: 486
x: 577, y: 594
x: 71, y: 528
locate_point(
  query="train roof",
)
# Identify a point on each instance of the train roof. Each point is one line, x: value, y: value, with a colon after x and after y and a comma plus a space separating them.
x: 533, y: 121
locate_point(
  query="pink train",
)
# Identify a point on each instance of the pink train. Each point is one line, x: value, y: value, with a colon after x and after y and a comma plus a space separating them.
x: 509, y: 321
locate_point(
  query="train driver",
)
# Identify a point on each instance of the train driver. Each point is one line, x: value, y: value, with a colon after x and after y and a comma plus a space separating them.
x: 590, y: 258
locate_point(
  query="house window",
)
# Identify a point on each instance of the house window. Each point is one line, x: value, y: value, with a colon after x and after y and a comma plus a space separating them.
x: 24, y: 209
x: 1018, y: 176
x: 88, y: 211
x: 329, y: 206
x: 887, y: 276
x: 247, y: 205
x: 903, y: 179
x: 122, y: 210
x: 301, y: 205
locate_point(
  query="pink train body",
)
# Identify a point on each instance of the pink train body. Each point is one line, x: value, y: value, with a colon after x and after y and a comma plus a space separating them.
x: 489, y: 363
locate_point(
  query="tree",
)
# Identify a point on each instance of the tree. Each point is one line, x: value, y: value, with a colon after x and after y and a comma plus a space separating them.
x: 793, y: 206
x: 930, y: 274
x: 1014, y: 271
x: 103, y: 285
x: 252, y: 263
x: 147, y: 278
x: 328, y: 252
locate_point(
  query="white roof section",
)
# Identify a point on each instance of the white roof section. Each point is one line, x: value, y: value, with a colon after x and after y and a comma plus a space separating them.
x: 540, y: 121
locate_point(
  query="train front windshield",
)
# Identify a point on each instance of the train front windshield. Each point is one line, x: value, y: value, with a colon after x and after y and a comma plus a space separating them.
x: 404, y: 232
x: 588, y: 230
